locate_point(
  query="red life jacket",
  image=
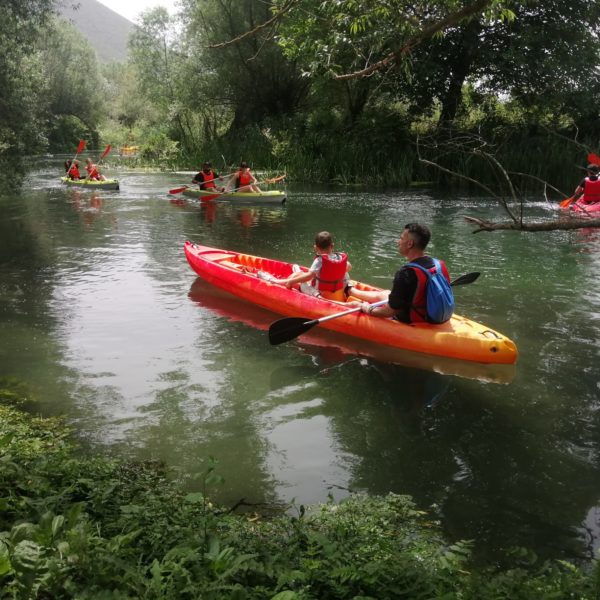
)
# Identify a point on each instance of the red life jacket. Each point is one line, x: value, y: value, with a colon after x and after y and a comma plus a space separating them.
x: 74, y: 172
x: 418, y: 307
x: 332, y: 274
x: 92, y: 172
x: 208, y: 180
x: 591, y: 190
x: 243, y: 178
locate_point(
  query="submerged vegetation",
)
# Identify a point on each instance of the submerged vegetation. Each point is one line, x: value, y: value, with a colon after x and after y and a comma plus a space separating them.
x: 74, y: 525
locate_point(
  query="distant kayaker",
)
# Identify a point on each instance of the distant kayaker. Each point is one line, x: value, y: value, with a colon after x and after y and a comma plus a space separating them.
x: 589, y: 187
x: 73, y: 172
x: 407, y: 298
x: 206, y: 178
x: 243, y: 181
x: 92, y: 171
x: 328, y: 272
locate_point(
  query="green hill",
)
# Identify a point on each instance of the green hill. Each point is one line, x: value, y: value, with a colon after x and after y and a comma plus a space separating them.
x: 106, y: 30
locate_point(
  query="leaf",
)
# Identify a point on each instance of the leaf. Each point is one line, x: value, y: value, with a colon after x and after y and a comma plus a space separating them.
x: 5, y: 564
x: 194, y: 498
x: 57, y: 524
x: 287, y: 595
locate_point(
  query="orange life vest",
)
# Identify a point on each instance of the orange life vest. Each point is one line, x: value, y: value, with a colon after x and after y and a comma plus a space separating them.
x: 591, y: 190
x: 92, y: 172
x: 243, y: 178
x: 208, y: 180
x: 74, y: 172
x: 418, y: 307
x: 331, y: 277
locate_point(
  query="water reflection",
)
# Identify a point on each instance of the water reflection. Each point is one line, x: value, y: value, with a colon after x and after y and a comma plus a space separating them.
x: 325, y: 343
x: 89, y: 206
x: 101, y: 322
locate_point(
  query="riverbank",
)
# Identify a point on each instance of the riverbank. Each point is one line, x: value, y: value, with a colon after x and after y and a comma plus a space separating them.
x: 78, y: 526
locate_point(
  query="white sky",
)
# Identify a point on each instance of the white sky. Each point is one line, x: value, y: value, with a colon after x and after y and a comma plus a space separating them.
x: 130, y: 9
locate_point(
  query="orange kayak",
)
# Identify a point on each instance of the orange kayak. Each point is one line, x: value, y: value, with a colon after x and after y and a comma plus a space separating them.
x: 254, y: 279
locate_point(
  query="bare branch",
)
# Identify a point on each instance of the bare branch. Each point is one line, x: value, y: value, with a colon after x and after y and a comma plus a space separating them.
x: 554, y: 225
x: 276, y: 17
x: 545, y: 183
x: 426, y: 33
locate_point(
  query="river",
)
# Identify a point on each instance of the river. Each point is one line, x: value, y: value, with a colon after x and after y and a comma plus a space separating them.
x: 108, y: 325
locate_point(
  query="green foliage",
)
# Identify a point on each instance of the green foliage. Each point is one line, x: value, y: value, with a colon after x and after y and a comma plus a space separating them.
x: 88, y: 527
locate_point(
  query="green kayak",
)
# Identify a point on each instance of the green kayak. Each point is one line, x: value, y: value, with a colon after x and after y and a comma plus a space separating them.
x: 92, y: 184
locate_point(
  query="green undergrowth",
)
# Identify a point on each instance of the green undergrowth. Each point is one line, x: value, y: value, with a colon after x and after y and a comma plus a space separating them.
x: 79, y: 526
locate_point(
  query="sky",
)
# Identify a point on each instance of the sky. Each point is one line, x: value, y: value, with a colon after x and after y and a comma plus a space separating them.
x: 130, y: 9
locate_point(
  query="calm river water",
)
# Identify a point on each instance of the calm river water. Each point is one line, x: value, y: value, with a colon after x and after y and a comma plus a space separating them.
x: 104, y: 319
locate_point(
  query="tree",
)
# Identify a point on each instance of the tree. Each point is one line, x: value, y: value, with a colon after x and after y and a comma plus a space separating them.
x: 21, y: 116
x: 251, y: 77
x: 75, y: 90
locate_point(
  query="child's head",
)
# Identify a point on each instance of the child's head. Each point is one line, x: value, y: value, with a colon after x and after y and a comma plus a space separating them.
x: 323, y: 240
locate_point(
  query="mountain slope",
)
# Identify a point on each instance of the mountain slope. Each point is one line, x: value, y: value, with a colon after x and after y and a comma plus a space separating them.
x: 106, y: 31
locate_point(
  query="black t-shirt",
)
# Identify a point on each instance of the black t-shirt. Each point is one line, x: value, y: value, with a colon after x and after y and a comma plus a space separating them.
x: 404, y: 288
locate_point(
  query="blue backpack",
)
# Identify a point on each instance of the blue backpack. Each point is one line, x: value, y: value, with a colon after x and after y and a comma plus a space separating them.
x: 440, y: 299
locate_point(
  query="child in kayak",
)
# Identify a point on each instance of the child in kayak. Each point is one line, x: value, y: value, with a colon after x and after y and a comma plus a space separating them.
x: 328, y: 274
x: 92, y: 171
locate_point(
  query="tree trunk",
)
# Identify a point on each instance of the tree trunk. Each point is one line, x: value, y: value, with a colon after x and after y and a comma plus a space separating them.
x: 460, y: 67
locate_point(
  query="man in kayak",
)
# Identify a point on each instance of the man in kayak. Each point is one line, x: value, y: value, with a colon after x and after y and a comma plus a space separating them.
x: 407, y: 298
x: 244, y: 180
x: 328, y: 272
x: 589, y: 187
x: 206, y: 178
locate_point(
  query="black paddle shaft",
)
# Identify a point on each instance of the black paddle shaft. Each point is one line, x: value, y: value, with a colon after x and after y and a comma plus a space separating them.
x: 289, y: 328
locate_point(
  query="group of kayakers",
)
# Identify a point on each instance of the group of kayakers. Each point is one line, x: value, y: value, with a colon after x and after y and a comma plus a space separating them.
x: 240, y: 181
x: 93, y: 172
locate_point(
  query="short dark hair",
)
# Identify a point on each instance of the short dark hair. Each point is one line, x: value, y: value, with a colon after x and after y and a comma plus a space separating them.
x: 323, y: 240
x: 206, y: 164
x: 243, y: 165
x: 421, y: 234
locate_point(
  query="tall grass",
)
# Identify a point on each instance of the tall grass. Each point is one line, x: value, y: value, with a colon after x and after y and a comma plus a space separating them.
x: 381, y: 150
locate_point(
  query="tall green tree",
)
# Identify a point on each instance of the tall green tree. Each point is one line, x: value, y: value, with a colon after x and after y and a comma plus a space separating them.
x: 21, y: 116
x: 75, y: 89
x: 247, y: 74
x: 159, y: 64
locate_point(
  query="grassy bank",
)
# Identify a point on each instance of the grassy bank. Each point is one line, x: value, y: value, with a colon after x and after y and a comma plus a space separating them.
x: 77, y: 526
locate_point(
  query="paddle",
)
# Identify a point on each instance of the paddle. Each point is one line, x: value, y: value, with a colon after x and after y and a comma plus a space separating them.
x: 566, y: 203
x: 266, y: 181
x: 80, y: 148
x: 290, y: 328
x: 185, y: 187
x: 593, y: 158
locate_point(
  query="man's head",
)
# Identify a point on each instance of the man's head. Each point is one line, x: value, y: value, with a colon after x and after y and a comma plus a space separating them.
x: 593, y: 169
x: 206, y: 167
x: 323, y: 240
x: 414, y: 237
x: 244, y: 165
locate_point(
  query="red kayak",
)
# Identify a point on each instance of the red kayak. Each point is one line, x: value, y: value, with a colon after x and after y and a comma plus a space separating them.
x: 254, y: 279
x: 582, y: 209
